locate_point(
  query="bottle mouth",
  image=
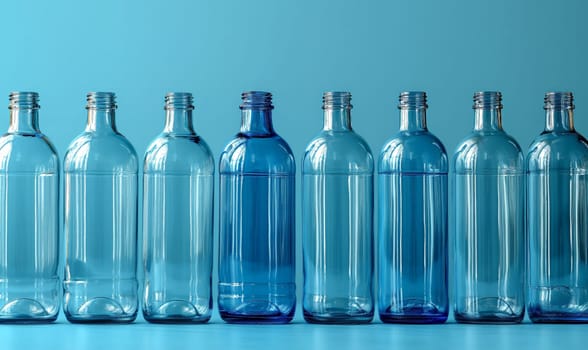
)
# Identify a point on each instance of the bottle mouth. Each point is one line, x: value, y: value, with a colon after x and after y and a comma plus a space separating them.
x: 559, y: 100
x: 179, y: 100
x: 101, y: 100
x: 256, y: 100
x: 413, y: 100
x: 23, y: 100
x: 337, y: 100
x: 488, y: 100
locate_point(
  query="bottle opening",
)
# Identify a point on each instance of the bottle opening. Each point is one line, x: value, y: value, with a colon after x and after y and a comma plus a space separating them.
x: 559, y: 100
x: 101, y: 100
x: 337, y: 100
x: 256, y: 100
x: 23, y: 100
x: 413, y: 100
x: 488, y: 100
x: 179, y: 100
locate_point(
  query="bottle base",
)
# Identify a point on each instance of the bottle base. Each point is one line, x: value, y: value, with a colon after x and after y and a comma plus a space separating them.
x: 415, y: 311
x: 99, y: 319
x: 539, y: 315
x: 176, y: 311
x: 488, y: 318
x: 338, y: 317
x: 255, y: 319
x: 20, y: 319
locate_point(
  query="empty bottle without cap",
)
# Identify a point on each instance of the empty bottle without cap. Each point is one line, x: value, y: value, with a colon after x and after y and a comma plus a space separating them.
x: 29, y: 217
x: 100, y: 280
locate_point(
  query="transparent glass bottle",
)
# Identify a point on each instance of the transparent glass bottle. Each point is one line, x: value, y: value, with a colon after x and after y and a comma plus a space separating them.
x: 178, y: 191
x: 100, y: 281
x: 337, y: 218
x: 557, y: 214
x: 412, y: 220
x: 257, y: 220
x: 489, y: 255
x: 29, y: 217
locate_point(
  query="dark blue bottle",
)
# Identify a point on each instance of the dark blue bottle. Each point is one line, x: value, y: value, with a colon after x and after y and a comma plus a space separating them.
x: 257, y: 220
x: 557, y: 214
x: 337, y: 220
x: 489, y: 255
x: 412, y: 220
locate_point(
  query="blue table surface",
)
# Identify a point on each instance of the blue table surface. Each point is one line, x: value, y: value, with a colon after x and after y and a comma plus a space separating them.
x: 298, y: 335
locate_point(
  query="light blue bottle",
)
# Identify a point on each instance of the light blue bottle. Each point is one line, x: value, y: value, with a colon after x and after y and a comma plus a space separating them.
x: 337, y: 218
x: 257, y: 220
x: 178, y: 191
x: 557, y: 214
x: 29, y: 217
x: 489, y: 220
x: 412, y: 220
x: 100, y: 281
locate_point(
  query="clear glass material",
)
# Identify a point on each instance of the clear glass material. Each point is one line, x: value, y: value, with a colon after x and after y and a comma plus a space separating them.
x: 557, y: 214
x: 257, y: 220
x: 337, y: 218
x: 412, y: 220
x: 178, y: 191
x: 100, y: 281
x: 29, y: 217
x: 489, y: 220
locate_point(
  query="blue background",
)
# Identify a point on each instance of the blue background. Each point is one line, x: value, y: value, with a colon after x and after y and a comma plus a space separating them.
x: 296, y: 50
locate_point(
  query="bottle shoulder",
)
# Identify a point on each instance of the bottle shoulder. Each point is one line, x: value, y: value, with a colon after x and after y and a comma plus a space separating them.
x: 101, y: 153
x: 338, y: 152
x: 419, y: 152
x: 245, y: 154
x: 183, y: 154
x: 28, y: 153
x: 558, y: 151
x: 488, y: 152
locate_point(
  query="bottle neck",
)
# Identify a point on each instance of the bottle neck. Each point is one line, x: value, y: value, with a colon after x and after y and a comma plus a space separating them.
x: 337, y: 119
x: 561, y: 120
x: 256, y: 122
x: 178, y: 121
x: 413, y: 119
x: 24, y: 121
x: 101, y: 120
x: 488, y: 119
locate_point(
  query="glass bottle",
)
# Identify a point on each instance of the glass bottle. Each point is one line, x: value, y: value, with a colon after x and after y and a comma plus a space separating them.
x: 337, y: 215
x: 557, y: 214
x: 29, y: 217
x: 412, y: 220
x: 489, y: 220
x: 257, y: 220
x: 178, y: 191
x: 100, y: 282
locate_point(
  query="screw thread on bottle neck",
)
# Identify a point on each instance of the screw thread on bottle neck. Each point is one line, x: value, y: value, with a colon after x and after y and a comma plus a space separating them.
x: 413, y: 100
x: 487, y: 100
x: 559, y: 100
x: 179, y: 100
x: 101, y: 100
x: 23, y: 100
x: 337, y: 100
x: 256, y: 100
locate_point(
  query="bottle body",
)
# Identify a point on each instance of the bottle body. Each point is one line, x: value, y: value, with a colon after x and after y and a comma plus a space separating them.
x: 257, y: 221
x: 29, y: 218
x: 178, y: 192
x: 489, y: 221
x: 412, y: 221
x: 100, y: 281
x: 337, y: 217
x: 557, y: 212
